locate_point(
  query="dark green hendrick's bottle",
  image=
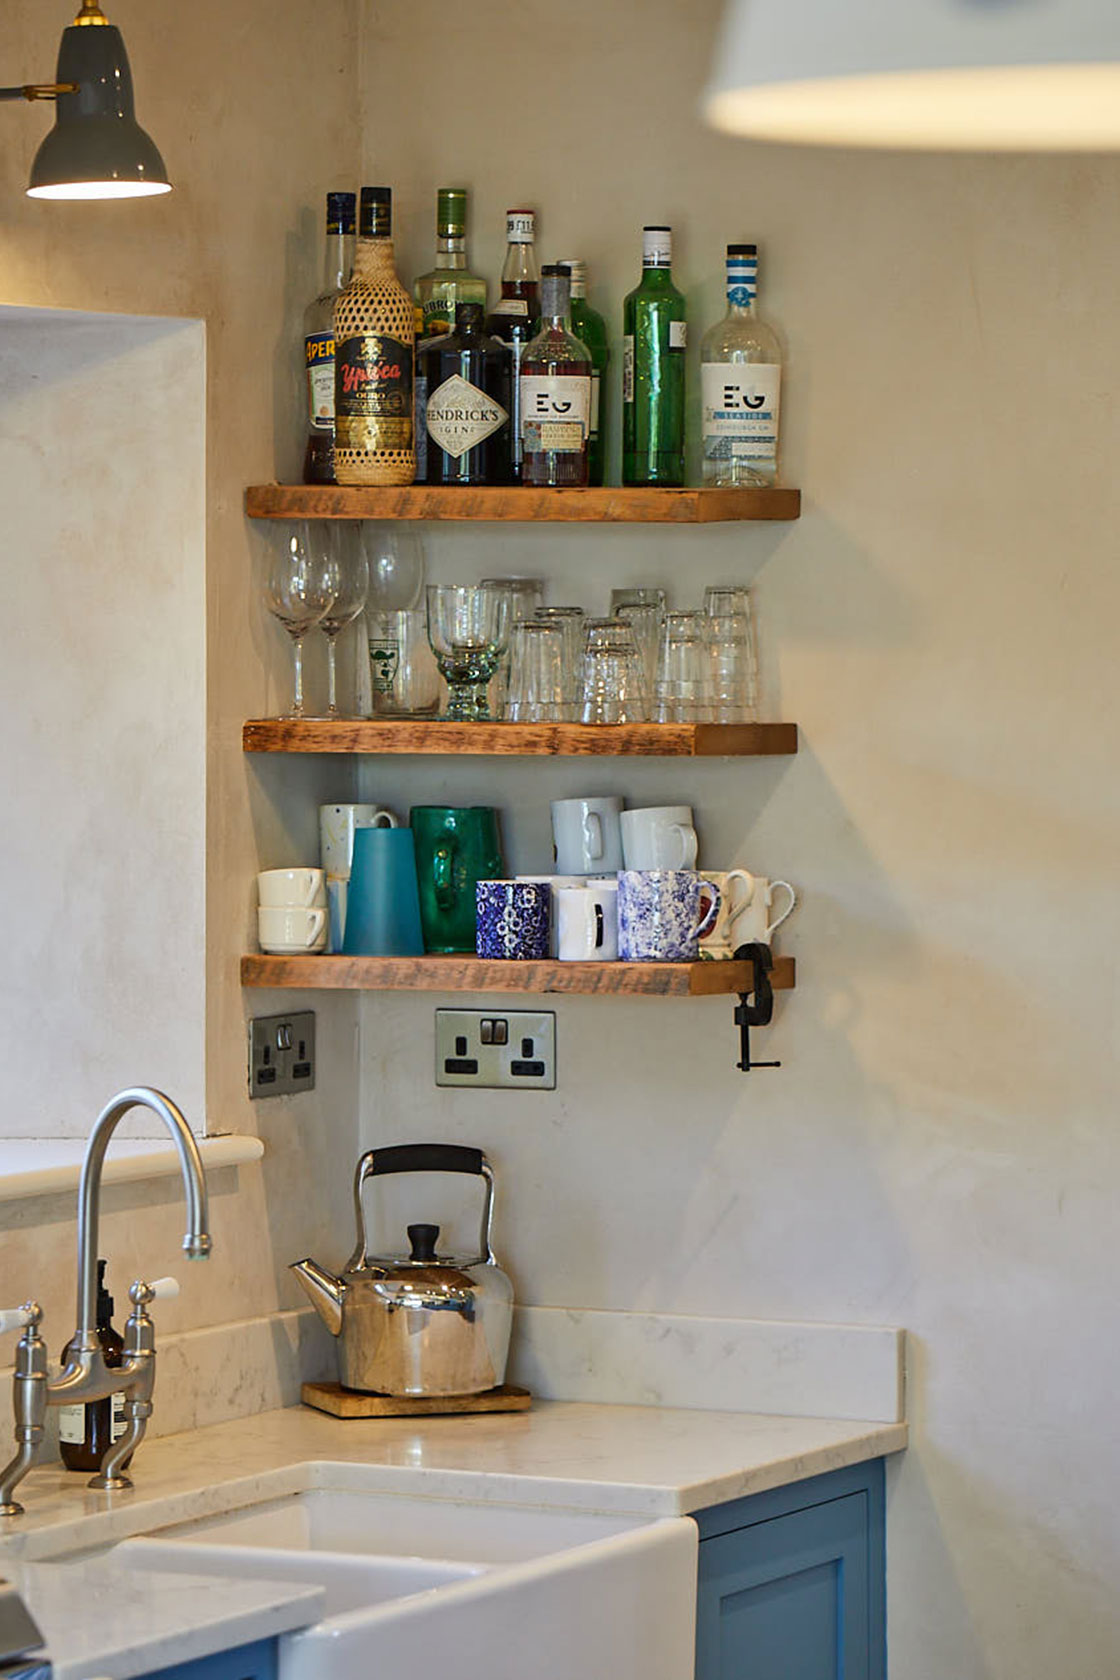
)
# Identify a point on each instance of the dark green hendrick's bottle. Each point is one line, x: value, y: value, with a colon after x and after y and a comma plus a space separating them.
x: 654, y: 337
x: 589, y: 326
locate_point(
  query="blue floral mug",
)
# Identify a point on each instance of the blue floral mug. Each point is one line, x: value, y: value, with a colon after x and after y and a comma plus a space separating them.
x: 659, y: 914
x: 513, y: 920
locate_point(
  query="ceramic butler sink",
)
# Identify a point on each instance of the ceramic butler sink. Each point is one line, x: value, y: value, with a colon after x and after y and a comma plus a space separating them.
x: 468, y: 1589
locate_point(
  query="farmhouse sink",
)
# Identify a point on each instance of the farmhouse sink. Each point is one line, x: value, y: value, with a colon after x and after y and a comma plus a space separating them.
x: 462, y: 1588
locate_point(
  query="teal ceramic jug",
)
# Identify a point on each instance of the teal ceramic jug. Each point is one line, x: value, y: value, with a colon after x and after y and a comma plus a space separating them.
x: 455, y: 849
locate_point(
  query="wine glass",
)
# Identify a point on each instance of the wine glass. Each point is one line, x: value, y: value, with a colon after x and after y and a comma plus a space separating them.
x: 301, y: 585
x: 396, y: 566
x: 468, y: 627
x: 350, y: 598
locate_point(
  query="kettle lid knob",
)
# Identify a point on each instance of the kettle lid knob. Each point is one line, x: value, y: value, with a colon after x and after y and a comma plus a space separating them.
x: 423, y: 1239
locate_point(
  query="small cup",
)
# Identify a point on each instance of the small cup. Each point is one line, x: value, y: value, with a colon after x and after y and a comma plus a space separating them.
x: 403, y: 678
x: 658, y: 837
x: 286, y: 930
x: 294, y: 889
x: 587, y: 922
x: 513, y: 920
x: 736, y: 889
x: 757, y: 924
x: 660, y: 918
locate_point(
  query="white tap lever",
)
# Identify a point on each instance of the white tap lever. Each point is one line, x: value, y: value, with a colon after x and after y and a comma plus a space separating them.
x: 17, y: 1318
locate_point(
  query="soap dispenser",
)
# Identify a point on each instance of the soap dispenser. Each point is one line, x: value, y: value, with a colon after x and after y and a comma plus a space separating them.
x: 86, y: 1432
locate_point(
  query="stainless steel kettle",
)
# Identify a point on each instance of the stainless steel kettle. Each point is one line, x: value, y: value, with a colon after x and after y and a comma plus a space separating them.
x: 420, y: 1324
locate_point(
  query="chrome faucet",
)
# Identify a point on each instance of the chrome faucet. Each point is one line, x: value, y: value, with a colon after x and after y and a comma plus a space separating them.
x: 86, y: 1377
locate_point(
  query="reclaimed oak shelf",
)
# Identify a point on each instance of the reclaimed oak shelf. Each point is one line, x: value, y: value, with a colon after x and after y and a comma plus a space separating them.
x: 513, y: 502
x: 607, y: 740
x: 475, y: 974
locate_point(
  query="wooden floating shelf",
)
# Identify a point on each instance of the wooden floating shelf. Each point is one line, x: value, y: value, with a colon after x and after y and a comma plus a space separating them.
x: 605, y: 740
x: 605, y: 506
x: 474, y: 974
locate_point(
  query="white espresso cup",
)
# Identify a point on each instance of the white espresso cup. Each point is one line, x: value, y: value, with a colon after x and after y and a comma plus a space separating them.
x: 757, y: 924
x: 587, y: 922
x: 337, y: 824
x: 586, y: 837
x: 288, y: 931
x: 737, y: 888
x: 659, y: 837
x: 294, y: 889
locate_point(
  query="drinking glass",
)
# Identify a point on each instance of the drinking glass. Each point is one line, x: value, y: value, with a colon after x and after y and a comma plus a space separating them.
x: 731, y: 670
x: 350, y: 598
x: 641, y: 595
x: 403, y: 679
x: 537, y: 690
x: 395, y: 561
x: 614, y: 686
x: 526, y: 595
x: 301, y: 585
x: 571, y: 621
x: 683, y: 690
x: 645, y: 621
x: 468, y: 627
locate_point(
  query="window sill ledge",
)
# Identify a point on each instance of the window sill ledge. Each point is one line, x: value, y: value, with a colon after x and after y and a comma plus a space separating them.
x: 31, y: 1168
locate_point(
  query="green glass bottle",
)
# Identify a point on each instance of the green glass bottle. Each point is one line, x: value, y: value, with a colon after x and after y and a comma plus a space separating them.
x: 654, y: 339
x: 450, y: 281
x: 589, y: 326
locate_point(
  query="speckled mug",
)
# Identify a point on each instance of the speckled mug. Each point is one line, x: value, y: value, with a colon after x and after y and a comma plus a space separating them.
x: 513, y: 920
x: 659, y: 914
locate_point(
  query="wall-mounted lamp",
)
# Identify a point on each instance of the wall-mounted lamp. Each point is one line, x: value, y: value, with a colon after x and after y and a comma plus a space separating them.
x: 96, y: 148
x: 983, y: 75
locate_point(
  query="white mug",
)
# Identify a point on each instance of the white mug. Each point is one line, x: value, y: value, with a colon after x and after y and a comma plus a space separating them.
x: 756, y: 926
x: 291, y: 888
x: 659, y: 837
x: 555, y: 882
x: 586, y: 835
x: 287, y: 930
x: 336, y: 853
x: 737, y: 887
x: 587, y: 922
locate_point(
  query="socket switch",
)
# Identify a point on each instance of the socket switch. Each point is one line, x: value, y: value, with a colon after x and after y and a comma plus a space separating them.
x: 282, y: 1054
x: 496, y: 1049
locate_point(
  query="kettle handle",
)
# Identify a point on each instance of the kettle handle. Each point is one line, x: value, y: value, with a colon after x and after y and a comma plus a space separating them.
x: 422, y: 1157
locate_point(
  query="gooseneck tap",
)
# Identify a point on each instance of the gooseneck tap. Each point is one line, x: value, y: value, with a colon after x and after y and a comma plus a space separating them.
x: 86, y: 1377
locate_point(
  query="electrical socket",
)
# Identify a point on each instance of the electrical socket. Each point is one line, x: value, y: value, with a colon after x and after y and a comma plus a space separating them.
x: 496, y: 1049
x: 282, y: 1054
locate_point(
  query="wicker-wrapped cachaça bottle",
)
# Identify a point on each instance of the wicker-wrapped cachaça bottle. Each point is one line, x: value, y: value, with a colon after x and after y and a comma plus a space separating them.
x: 374, y: 333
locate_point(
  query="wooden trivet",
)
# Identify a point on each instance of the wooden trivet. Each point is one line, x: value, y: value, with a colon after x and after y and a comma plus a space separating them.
x: 348, y: 1403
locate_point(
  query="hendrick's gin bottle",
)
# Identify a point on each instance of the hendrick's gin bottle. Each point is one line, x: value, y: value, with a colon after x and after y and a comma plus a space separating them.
x: 463, y: 403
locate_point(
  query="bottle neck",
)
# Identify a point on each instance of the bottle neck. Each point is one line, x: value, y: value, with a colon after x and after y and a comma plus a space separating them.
x: 338, y: 264
x: 519, y: 271
x: 742, y: 283
x: 451, y: 251
x: 374, y: 259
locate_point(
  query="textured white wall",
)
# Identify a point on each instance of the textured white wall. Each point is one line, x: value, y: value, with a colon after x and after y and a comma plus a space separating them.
x: 940, y: 1148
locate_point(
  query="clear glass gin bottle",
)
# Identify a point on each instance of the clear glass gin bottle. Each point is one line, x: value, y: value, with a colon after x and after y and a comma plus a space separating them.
x: 450, y: 281
x: 741, y: 384
x: 653, y: 347
x: 318, y: 340
x: 555, y: 386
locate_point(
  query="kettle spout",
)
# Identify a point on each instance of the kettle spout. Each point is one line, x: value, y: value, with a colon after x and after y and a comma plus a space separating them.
x: 323, y: 1290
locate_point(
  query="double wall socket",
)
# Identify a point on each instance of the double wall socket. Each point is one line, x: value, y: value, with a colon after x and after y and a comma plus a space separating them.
x: 498, y: 1049
x: 282, y: 1054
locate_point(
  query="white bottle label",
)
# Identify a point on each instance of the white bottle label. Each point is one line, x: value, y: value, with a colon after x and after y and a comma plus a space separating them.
x: 72, y: 1425
x: 319, y: 351
x: 678, y: 335
x: 555, y: 411
x: 742, y: 402
x: 459, y: 416
x: 628, y: 368
x: 594, y: 425
x: 120, y: 1422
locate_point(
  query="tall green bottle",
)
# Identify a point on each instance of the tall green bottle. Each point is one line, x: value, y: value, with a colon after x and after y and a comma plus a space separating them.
x: 653, y: 346
x: 589, y: 326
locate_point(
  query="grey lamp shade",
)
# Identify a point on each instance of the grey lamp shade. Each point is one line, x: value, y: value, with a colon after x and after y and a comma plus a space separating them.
x: 996, y: 75
x: 96, y: 148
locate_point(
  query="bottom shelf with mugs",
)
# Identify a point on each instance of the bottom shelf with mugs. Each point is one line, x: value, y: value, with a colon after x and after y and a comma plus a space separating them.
x: 478, y: 974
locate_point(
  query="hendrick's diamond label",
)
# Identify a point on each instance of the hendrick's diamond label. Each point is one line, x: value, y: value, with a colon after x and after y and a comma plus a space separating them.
x: 459, y: 416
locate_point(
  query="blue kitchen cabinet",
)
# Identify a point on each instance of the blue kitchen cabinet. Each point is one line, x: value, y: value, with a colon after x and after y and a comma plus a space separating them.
x: 246, y: 1662
x: 792, y: 1582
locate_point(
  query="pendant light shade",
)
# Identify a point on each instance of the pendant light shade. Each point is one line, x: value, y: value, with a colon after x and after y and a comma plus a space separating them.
x: 96, y: 148
x: 985, y: 75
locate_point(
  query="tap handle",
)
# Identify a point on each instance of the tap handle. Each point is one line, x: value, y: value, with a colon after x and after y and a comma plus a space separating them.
x: 18, y: 1318
x: 143, y: 1294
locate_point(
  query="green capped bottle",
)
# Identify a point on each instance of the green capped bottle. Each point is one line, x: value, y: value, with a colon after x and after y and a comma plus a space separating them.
x: 591, y: 329
x: 450, y: 281
x: 653, y: 347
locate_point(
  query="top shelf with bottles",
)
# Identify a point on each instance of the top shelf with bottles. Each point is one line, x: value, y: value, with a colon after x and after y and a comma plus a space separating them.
x: 512, y: 502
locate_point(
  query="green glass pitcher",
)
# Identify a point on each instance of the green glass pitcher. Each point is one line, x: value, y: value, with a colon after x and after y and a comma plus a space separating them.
x: 456, y: 847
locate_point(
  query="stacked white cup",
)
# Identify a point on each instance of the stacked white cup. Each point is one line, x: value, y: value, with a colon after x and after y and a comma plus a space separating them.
x: 292, y: 913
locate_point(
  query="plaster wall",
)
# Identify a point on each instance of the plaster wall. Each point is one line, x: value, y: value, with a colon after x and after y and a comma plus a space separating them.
x: 939, y: 1148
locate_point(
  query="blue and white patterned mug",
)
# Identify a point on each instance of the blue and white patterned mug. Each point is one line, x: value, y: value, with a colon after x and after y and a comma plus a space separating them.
x: 513, y: 920
x: 659, y: 914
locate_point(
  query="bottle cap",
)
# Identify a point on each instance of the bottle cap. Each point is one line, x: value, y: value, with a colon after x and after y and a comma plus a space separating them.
x: 469, y: 314
x: 577, y: 268
x: 657, y: 247
x: 742, y: 274
x: 340, y: 212
x: 451, y: 212
x: 742, y: 250
x: 521, y: 226
x: 555, y: 290
x: 376, y: 220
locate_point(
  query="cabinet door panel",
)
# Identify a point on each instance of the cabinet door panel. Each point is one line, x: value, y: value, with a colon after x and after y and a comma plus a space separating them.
x: 787, y: 1599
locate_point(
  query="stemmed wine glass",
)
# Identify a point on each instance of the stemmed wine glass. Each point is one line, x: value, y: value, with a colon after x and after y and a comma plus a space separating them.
x: 468, y: 628
x: 302, y: 583
x: 349, y: 600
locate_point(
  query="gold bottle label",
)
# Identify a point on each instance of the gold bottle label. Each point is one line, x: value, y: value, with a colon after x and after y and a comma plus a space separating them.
x: 373, y: 393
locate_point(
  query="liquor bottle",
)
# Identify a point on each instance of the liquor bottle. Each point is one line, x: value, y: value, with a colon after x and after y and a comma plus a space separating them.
x: 86, y: 1432
x: 463, y: 404
x: 741, y: 384
x: 591, y: 329
x: 653, y: 346
x: 555, y: 392
x: 374, y: 331
x: 450, y: 281
x: 318, y: 340
x: 515, y: 314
